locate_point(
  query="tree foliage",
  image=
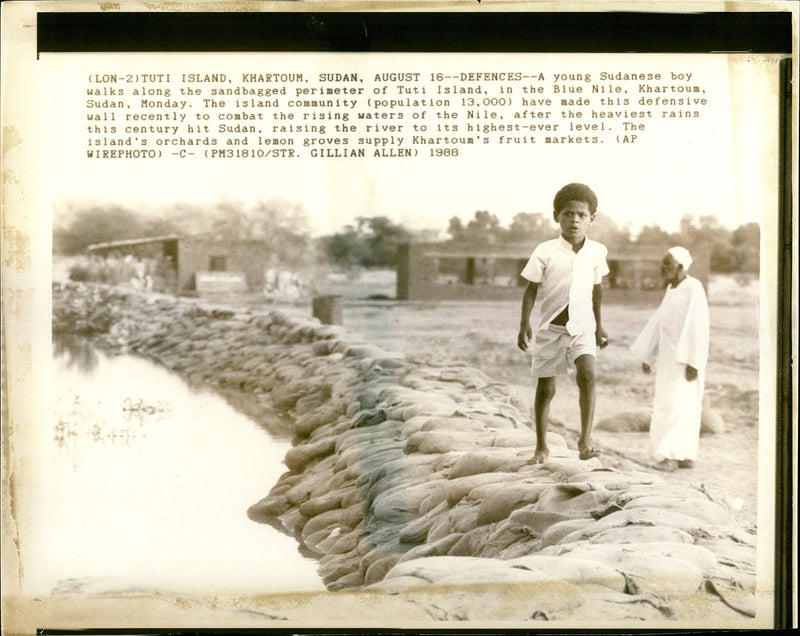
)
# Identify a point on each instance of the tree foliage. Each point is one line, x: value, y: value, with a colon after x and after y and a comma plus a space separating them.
x: 746, y: 241
x: 731, y: 251
x: 282, y: 226
x: 708, y: 230
x: 100, y: 224
x: 528, y: 227
x: 373, y: 241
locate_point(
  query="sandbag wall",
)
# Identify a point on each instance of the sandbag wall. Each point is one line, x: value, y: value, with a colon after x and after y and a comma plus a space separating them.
x: 404, y: 474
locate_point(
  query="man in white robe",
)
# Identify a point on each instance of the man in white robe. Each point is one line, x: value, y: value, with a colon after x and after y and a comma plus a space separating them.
x: 678, y: 332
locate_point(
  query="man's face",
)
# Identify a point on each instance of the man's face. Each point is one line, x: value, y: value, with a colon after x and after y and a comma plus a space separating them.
x: 574, y: 219
x: 670, y: 269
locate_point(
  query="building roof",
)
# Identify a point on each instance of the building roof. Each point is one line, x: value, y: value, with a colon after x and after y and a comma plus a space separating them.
x: 128, y: 242
x: 163, y: 238
x: 523, y: 251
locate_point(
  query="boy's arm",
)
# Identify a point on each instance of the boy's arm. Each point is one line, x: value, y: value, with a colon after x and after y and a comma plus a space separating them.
x: 601, y: 337
x: 525, y: 331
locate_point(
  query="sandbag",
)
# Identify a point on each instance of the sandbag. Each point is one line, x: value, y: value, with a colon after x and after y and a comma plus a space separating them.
x: 633, y: 533
x: 555, y: 496
x: 535, y: 522
x: 431, y: 442
x: 556, y: 532
x: 480, y: 461
x: 472, y: 542
x: 298, y: 457
x: 711, y: 422
x: 416, y: 531
x: 704, y: 509
x: 579, y: 571
x: 457, y: 489
x: 629, y: 555
x: 501, y: 504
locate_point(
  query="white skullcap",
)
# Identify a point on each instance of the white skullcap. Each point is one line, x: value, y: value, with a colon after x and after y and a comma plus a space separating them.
x: 681, y: 255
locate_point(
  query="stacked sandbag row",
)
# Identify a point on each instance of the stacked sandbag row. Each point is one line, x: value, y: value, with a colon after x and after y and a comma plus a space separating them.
x: 405, y: 474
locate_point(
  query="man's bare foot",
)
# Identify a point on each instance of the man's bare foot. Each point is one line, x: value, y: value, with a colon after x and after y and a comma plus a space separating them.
x: 587, y: 451
x: 540, y: 456
x: 667, y: 465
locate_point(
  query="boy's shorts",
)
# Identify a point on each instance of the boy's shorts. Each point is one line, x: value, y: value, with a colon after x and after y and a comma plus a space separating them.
x: 555, y: 351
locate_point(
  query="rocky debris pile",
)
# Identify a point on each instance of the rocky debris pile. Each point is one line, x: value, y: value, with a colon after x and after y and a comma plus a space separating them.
x: 405, y: 474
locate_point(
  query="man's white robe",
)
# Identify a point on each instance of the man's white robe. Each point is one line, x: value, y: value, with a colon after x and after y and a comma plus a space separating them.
x: 678, y: 331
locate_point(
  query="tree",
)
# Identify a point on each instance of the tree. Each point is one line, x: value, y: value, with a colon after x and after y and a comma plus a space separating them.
x: 284, y: 228
x: 97, y: 224
x: 230, y: 222
x: 382, y: 237
x: 456, y: 229
x: 653, y: 235
x: 189, y: 218
x: 345, y: 248
x: 746, y: 247
x: 529, y: 227
x: 605, y: 230
x: 707, y: 230
x: 372, y: 242
x: 484, y: 227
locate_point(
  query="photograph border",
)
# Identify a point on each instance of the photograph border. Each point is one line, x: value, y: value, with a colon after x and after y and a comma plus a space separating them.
x: 755, y: 27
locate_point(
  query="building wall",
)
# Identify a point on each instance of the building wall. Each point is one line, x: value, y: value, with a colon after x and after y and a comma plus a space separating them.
x: 442, y: 271
x: 450, y: 271
x: 196, y: 254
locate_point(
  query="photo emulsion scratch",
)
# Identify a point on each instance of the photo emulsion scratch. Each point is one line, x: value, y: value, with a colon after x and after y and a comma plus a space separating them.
x: 336, y: 335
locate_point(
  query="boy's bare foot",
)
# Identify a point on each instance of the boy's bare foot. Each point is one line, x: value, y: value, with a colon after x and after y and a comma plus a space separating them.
x: 587, y: 451
x: 539, y: 456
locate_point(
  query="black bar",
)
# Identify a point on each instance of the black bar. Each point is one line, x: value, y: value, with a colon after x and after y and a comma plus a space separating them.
x: 784, y: 512
x: 474, y: 31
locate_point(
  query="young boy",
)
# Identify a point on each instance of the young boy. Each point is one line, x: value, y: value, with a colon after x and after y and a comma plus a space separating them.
x: 565, y: 274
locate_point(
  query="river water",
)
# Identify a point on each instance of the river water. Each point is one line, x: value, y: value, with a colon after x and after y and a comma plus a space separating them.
x: 145, y: 485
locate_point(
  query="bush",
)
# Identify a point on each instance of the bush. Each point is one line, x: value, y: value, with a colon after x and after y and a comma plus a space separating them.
x: 80, y: 272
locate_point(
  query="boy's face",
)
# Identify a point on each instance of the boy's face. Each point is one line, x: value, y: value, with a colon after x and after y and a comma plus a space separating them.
x: 574, y: 218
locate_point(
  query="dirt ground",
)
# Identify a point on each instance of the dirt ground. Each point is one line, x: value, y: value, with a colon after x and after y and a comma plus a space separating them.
x: 483, y: 335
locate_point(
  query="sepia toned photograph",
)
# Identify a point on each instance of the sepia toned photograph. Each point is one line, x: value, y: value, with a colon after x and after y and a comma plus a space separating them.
x: 360, y: 331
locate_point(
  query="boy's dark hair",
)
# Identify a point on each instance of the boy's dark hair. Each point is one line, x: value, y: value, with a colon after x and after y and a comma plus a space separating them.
x: 575, y: 192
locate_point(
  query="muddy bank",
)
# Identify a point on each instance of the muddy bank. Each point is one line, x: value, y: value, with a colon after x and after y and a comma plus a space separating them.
x: 405, y: 474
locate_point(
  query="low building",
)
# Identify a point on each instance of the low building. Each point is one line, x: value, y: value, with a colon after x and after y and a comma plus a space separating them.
x: 468, y: 271
x: 184, y: 264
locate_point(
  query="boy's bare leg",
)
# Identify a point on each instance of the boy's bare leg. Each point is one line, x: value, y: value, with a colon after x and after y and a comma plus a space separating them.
x: 545, y: 390
x: 584, y: 366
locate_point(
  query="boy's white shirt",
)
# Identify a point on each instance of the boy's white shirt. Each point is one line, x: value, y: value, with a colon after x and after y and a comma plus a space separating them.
x: 565, y: 278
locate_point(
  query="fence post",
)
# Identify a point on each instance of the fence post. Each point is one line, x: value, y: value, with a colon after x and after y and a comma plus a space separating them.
x: 327, y: 309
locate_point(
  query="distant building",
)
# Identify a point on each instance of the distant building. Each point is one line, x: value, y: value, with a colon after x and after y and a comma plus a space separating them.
x: 202, y: 264
x: 470, y: 271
